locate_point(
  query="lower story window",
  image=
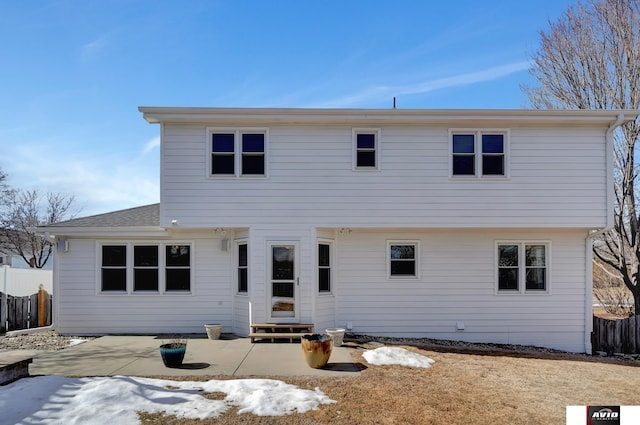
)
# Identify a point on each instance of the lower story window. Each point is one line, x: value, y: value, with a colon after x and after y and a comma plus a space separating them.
x: 324, y: 267
x: 114, y: 268
x: 178, y: 268
x: 145, y: 268
x: 243, y: 268
x: 137, y: 268
x: 403, y: 259
x: 523, y: 267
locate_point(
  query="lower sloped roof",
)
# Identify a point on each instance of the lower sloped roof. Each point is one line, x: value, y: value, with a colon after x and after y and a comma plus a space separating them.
x: 144, y: 216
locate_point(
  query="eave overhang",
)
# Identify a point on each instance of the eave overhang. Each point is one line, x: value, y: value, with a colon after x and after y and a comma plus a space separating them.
x: 313, y: 116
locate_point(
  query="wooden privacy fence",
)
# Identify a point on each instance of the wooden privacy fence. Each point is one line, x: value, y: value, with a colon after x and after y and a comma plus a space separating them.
x: 26, y: 312
x: 616, y: 336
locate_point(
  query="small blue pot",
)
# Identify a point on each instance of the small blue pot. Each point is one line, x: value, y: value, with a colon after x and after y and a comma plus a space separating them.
x: 173, y: 354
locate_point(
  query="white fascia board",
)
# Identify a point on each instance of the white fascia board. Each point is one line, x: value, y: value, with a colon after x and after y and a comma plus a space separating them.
x: 384, y: 116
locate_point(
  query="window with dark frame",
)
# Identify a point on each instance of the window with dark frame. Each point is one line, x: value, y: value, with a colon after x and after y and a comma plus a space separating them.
x: 324, y: 267
x: 223, y: 153
x: 535, y: 267
x: 478, y: 154
x: 402, y: 259
x: 366, y: 150
x: 493, y: 155
x: 252, y: 154
x: 237, y: 153
x: 464, y: 155
x: 145, y: 268
x: 508, y: 267
x: 114, y: 268
x: 178, y: 268
x: 522, y: 262
x: 243, y: 284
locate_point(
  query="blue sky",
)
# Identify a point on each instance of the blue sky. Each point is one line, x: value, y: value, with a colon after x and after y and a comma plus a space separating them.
x: 72, y: 73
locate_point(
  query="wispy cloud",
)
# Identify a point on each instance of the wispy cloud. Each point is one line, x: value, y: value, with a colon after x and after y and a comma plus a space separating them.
x: 151, y: 145
x: 92, y: 48
x: 376, y: 93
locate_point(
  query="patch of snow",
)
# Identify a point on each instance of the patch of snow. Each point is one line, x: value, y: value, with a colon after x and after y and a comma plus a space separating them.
x: 397, y: 356
x: 76, y: 342
x: 56, y: 399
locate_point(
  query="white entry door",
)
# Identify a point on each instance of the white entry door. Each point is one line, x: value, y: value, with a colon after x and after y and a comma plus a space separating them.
x: 283, y: 281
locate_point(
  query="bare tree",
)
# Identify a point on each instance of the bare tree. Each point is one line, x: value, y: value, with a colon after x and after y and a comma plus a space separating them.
x: 590, y: 59
x: 22, y: 213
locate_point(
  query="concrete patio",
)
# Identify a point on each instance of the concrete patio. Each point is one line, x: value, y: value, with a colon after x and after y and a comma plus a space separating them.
x: 140, y: 356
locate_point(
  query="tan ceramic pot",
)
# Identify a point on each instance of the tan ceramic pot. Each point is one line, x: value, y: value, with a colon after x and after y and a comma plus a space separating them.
x: 316, y: 349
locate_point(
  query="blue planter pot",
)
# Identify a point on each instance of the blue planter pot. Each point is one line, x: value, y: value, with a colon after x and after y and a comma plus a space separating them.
x: 173, y: 354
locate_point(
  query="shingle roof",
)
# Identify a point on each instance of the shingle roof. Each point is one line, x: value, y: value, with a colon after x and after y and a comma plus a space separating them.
x: 147, y: 215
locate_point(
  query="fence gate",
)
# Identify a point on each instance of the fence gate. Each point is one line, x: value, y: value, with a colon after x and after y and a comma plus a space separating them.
x: 26, y: 312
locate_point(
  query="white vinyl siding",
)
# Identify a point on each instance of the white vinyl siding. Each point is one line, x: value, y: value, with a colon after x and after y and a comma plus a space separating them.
x: 457, y: 284
x: 79, y: 310
x: 557, y: 178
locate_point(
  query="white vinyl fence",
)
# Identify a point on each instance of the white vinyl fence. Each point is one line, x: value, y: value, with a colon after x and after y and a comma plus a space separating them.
x: 23, y: 282
x: 25, y: 298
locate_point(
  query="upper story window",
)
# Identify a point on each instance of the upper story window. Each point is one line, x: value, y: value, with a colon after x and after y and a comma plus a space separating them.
x: 223, y: 154
x: 237, y: 152
x: 522, y: 267
x: 366, y: 149
x: 479, y: 153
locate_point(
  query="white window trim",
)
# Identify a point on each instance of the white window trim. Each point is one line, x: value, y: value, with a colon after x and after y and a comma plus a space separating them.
x: 478, y: 132
x: 522, y: 283
x: 332, y: 262
x: 236, y: 262
x: 354, y: 147
x: 130, y: 268
x: 416, y: 243
x: 237, y: 152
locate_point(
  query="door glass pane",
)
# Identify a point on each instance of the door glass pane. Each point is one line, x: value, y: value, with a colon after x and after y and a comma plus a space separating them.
x: 282, y: 281
x: 282, y: 262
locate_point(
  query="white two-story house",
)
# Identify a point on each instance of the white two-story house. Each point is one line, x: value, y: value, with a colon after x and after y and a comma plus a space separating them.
x: 453, y: 224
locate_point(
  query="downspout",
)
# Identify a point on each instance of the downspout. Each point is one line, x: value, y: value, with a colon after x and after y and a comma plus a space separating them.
x: 596, y: 233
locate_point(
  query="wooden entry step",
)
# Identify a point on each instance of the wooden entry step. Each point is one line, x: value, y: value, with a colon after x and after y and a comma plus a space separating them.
x: 275, y: 331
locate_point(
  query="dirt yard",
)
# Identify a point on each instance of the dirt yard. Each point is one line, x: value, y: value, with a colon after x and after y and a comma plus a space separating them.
x: 475, y: 387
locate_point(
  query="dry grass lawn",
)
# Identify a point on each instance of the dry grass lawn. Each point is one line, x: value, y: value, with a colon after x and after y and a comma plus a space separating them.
x: 460, y: 388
